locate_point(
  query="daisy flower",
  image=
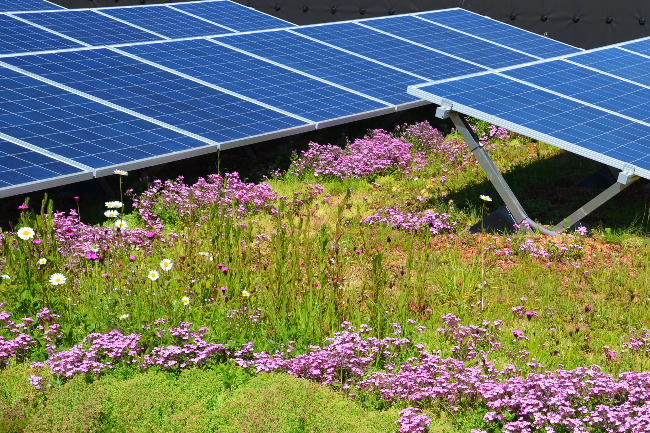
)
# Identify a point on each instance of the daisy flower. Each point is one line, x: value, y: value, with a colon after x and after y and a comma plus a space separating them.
x: 486, y: 198
x: 57, y: 279
x: 26, y: 233
x: 166, y: 264
x: 42, y: 261
x: 111, y: 214
x: 153, y: 275
x: 5, y: 277
x: 114, y: 204
x: 245, y: 293
x: 121, y: 172
x: 124, y: 316
x: 94, y: 248
x: 121, y: 224
x: 185, y: 300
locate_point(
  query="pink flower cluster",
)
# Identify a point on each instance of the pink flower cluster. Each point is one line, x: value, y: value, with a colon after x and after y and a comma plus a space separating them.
x: 378, y: 153
x: 395, y: 217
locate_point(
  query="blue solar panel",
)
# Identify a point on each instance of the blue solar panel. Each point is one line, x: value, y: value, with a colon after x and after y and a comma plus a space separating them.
x: 449, y: 41
x: 617, y: 62
x: 232, y: 15
x: 498, y: 32
x: 255, y: 79
x: 153, y: 92
x: 572, y: 125
x: 89, y: 27
x: 641, y: 46
x: 19, y: 37
x: 588, y: 86
x: 77, y: 128
x: 392, y: 51
x: 165, y: 21
x: 327, y: 63
x: 27, y: 5
x: 19, y: 165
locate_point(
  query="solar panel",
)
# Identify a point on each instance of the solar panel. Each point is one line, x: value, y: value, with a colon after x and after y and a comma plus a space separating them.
x: 255, y: 78
x: 232, y: 15
x: 466, y: 47
x: 498, y: 32
x: 327, y: 63
x: 393, y: 51
x: 89, y: 27
x: 19, y: 37
x: 79, y: 129
x: 27, y: 5
x: 641, y: 46
x: 155, y: 93
x: 165, y: 21
x: 567, y: 123
x: 23, y: 166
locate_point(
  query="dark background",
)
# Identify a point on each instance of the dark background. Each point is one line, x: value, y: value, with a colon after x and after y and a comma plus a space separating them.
x: 583, y: 23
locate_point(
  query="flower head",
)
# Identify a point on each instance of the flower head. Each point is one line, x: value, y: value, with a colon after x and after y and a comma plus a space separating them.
x: 185, y: 300
x: 245, y: 293
x: 26, y: 233
x: 121, y: 224
x: 42, y: 261
x: 94, y: 248
x: 111, y: 214
x: 124, y: 316
x: 121, y: 172
x: 153, y: 275
x: 5, y: 277
x: 113, y: 204
x: 166, y: 264
x: 57, y: 279
x: 486, y: 198
x: 23, y: 207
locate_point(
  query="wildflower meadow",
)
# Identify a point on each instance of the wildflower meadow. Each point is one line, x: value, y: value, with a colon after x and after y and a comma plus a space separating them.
x: 343, y: 293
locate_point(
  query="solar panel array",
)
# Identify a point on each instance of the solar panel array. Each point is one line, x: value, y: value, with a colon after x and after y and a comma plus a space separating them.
x: 594, y: 103
x: 83, y: 92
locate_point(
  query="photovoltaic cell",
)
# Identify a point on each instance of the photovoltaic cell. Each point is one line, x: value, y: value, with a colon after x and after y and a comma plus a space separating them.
x: 165, y: 21
x: 19, y: 37
x: 77, y: 128
x: 392, y: 51
x: 89, y: 27
x: 449, y: 41
x: 568, y: 124
x: 20, y: 165
x: 152, y: 92
x: 27, y: 5
x: 501, y: 33
x: 588, y: 86
x: 255, y: 79
x: 327, y: 63
x: 232, y: 15
x: 641, y: 46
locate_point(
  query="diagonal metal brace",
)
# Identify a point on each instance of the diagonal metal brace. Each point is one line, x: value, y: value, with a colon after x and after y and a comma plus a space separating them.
x: 625, y: 178
x: 494, y: 175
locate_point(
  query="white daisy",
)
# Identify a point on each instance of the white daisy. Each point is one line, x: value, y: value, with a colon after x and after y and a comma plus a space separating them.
x: 57, y: 279
x: 245, y: 293
x: 94, y: 248
x: 153, y: 275
x: 26, y: 233
x: 114, y: 204
x: 111, y: 214
x: 5, y: 277
x: 166, y: 265
x: 121, y: 172
x: 42, y: 261
x: 185, y: 300
x: 121, y: 224
x: 486, y: 198
x: 124, y: 316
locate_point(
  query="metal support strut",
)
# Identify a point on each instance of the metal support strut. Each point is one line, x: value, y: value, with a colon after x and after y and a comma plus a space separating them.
x: 625, y: 179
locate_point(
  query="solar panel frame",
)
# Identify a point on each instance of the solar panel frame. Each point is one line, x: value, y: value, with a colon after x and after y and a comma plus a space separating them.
x: 28, y: 5
x: 17, y: 36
